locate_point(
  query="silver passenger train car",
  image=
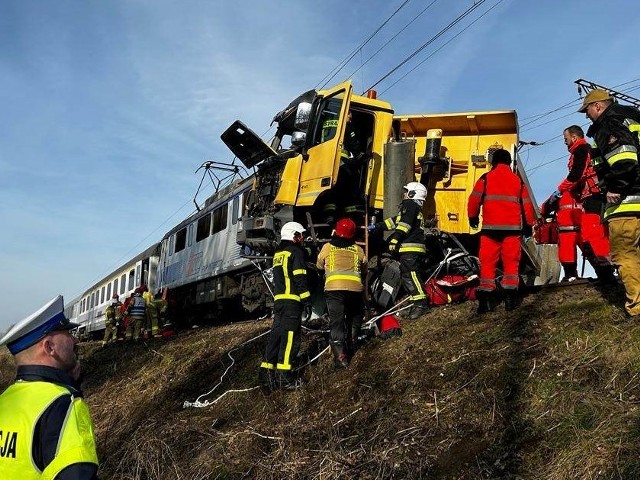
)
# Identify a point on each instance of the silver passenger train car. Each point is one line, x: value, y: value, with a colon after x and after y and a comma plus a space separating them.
x: 204, y: 268
x: 88, y: 309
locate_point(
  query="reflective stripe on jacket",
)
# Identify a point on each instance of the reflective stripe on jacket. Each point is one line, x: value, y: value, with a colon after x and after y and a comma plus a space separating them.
x: 582, y: 180
x: 504, y: 200
x: 22, y: 405
x: 408, y: 228
x: 137, y: 307
x: 342, y: 266
x: 615, y: 133
x: 290, y: 275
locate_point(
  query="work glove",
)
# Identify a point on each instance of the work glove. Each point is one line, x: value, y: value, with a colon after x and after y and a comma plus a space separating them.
x: 371, y: 228
x: 393, y: 246
x: 474, y: 222
x: 306, y: 314
x: 557, y: 194
x: 527, y: 230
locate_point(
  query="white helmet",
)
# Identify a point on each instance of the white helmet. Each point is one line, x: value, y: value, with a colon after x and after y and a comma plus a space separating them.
x: 290, y: 229
x: 416, y: 191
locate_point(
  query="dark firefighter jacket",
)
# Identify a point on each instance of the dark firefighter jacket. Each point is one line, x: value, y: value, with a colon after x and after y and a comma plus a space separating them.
x: 290, y: 275
x: 616, y: 133
x: 408, y: 228
x: 504, y: 200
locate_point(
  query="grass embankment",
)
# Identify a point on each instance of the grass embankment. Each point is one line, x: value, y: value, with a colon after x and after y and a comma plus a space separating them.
x: 548, y: 392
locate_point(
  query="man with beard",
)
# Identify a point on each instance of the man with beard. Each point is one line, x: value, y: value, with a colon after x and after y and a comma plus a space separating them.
x: 46, y: 428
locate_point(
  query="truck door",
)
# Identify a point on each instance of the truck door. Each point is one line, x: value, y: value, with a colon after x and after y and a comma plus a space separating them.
x: 320, y: 171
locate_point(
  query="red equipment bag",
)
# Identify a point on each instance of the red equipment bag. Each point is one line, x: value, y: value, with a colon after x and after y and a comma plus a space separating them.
x: 546, y: 232
x: 388, y: 326
x: 451, y: 289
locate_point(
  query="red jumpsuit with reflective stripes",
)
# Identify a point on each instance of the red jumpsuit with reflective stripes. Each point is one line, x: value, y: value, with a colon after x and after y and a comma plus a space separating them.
x: 504, y: 200
x: 578, y: 213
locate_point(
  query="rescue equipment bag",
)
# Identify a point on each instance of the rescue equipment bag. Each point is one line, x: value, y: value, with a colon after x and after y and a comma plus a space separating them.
x: 451, y: 288
x: 546, y: 231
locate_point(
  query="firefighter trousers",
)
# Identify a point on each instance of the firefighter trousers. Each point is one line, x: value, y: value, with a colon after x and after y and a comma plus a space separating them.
x: 110, y: 332
x: 409, y: 273
x: 284, y: 340
x: 496, y: 247
x: 624, y: 237
x: 346, y: 311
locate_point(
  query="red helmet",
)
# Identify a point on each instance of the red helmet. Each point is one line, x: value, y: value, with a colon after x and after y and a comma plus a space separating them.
x: 345, y: 228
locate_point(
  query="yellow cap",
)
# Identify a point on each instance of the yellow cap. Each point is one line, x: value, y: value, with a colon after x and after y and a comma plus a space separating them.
x: 596, y: 95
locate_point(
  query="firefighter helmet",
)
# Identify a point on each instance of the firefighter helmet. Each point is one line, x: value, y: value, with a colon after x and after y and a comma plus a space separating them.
x: 416, y: 191
x: 289, y: 231
x: 345, y: 228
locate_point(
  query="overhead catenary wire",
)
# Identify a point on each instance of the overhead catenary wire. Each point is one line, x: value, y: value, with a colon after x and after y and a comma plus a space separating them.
x: 429, y: 42
x: 327, y: 78
x: 362, y: 64
x: 441, y: 47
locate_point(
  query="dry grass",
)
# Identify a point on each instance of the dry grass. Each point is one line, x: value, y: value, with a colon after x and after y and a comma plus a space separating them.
x: 549, y: 392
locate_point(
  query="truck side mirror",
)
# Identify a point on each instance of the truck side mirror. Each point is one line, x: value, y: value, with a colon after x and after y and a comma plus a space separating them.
x: 303, y: 114
x: 298, y: 139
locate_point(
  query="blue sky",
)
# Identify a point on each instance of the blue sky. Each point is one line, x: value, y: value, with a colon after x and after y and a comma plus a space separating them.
x: 108, y: 108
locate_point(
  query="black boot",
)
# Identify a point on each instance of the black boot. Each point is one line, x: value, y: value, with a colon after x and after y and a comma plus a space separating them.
x: 418, y: 309
x: 605, y: 274
x: 266, y: 379
x: 570, y: 272
x: 287, y: 380
x: 511, y: 300
x: 340, y: 358
x: 487, y: 301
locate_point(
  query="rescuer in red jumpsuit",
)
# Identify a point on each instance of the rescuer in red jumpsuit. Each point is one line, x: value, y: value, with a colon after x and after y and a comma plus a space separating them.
x: 507, y: 213
x: 579, y: 207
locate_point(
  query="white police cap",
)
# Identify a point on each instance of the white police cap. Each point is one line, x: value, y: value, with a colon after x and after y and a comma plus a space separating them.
x: 27, y: 332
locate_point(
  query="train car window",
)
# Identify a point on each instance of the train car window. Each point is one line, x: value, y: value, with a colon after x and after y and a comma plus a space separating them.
x: 93, y: 297
x: 171, y: 241
x: 138, y: 275
x: 123, y: 284
x: 219, y: 219
x: 115, y: 286
x: 181, y: 240
x: 108, y: 291
x: 190, y: 235
x: 101, y: 296
x: 131, y: 279
x: 234, y: 210
x: 204, y: 226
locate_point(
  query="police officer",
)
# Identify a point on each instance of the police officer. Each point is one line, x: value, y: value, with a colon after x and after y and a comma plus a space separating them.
x: 137, y: 310
x: 47, y: 431
x: 408, y: 241
x: 616, y: 131
x: 112, y: 318
x: 291, y: 298
x: 343, y: 260
x: 503, y: 198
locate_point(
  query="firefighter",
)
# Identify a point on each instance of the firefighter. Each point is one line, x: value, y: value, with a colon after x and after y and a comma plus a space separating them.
x: 112, y: 318
x: 408, y: 241
x: 505, y: 201
x: 580, y: 204
x: 45, y: 425
x: 291, y: 299
x: 615, y: 129
x: 343, y: 260
x: 137, y: 309
x: 345, y: 196
x: 156, y: 310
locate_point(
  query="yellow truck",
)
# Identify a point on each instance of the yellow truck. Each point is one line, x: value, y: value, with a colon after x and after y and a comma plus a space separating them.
x: 302, y: 166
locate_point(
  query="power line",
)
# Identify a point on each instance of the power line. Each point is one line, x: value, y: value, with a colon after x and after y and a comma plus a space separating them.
x: 441, y: 47
x: 344, y: 62
x: 429, y: 42
x: 392, y: 39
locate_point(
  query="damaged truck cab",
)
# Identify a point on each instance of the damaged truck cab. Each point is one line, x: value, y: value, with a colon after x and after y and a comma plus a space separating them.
x: 446, y: 152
